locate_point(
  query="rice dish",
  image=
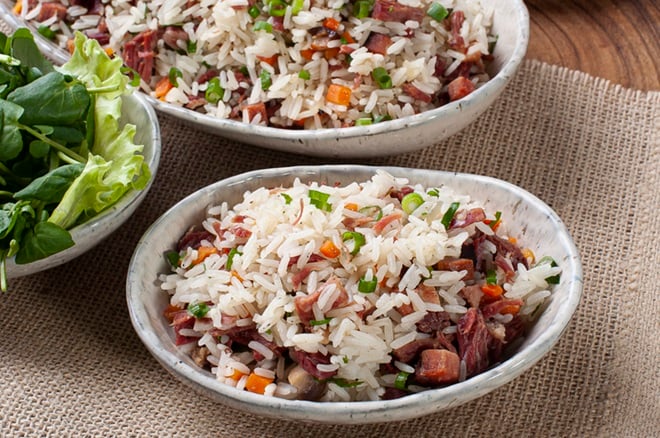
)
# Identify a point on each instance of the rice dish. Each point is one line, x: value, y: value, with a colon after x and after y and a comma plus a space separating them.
x: 298, y: 64
x: 368, y: 291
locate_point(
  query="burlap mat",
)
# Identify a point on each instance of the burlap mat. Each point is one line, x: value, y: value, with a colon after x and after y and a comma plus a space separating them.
x: 70, y: 363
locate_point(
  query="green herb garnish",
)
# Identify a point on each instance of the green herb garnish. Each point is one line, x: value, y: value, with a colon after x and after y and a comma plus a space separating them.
x: 287, y: 198
x: 357, y: 240
x: 380, y: 76
x: 230, y: 258
x: 198, y: 310
x: 411, y: 201
x: 554, y: 279
x: 319, y: 200
x: 214, y: 92
x: 400, y: 382
x: 367, y: 286
x: 437, y: 11
x: 449, y: 214
x: 317, y: 322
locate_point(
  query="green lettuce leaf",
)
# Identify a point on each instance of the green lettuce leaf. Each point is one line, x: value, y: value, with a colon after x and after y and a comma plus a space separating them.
x: 115, y: 164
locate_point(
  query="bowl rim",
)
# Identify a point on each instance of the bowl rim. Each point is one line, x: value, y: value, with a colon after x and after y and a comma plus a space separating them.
x: 410, y: 406
x: 228, y: 127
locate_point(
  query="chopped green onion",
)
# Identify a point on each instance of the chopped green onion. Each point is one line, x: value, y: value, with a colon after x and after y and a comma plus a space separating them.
x: 437, y: 11
x: 173, y: 258
x: 363, y: 121
x: 174, y: 75
x: 214, y: 92
x: 304, y: 74
x: 498, y: 216
x: 367, y: 286
x: 244, y: 69
x: 262, y: 25
x: 297, y: 6
x: 254, y: 11
x: 191, y: 47
x: 46, y: 32
x: 319, y: 200
x: 276, y: 8
x: 491, y: 276
x: 373, y: 211
x: 264, y: 77
x: 198, y: 310
x: 433, y: 192
x: 287, y: 198
x: 384, y: 81
x: 411, y: 201
x: 449, y: 214
x: 315, y: 322
x: 554, y: 279
x: 400, y: 380
x: 230, y: 258
x: 382, y: 118
x: 357, y: 239
x: 361, y: 9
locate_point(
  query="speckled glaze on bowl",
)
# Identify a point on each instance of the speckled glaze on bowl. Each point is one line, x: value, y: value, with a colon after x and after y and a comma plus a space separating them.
x: 539, y: 229
x: 137, y: 111
x: 510, y: 24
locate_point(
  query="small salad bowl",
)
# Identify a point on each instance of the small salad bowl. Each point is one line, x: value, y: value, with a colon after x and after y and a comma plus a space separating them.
x: 136, y: 111
x: 535, y: 224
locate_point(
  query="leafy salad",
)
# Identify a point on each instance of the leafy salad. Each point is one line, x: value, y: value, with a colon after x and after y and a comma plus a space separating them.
x: 63, y: 155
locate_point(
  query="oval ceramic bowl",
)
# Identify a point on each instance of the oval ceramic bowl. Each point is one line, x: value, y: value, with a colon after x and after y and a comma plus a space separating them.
x: 510, y: 24
x: 537, y: 227
x: 137, y: 111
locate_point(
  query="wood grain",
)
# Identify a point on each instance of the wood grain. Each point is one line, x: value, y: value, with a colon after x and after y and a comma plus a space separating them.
x: 617, y: 40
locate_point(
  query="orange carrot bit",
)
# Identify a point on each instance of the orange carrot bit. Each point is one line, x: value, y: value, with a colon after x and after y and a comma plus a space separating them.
x: 203, y: 252
x: 307, y: 53
x: 71, y: 45
x: 338, y: 94
x: 512, y: 240
x: 351, y: 206
x: 347, y: 37
x: 170, y: 310
x: 270, y: 60
x: 331, y: 23
x: 529, y: 255
x: 331, y: 53
x: 109, y: 51
x: 162, y: 88
x: 236, y: 275
x: 18, y: 7
x: 236, y: 375
x: 492, y: 290
x: 256, y: 383
x: 511, y: 309
x: 329, y: 249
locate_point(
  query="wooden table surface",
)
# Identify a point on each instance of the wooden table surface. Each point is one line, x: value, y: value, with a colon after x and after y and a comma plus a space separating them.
x: 617, y: 40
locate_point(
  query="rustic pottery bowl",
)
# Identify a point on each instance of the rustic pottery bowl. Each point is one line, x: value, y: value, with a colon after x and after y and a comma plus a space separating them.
x: 535, y: 224
x: 510, y: 24
x: 137, y: 111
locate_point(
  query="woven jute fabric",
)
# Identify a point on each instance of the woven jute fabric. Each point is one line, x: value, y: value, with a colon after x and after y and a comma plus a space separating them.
x: 71, y: 364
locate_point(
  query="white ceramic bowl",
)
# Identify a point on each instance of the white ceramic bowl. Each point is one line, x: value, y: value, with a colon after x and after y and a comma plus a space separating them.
x: 137, y: 111
x: 510, y: 23
x: 537, y: 226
